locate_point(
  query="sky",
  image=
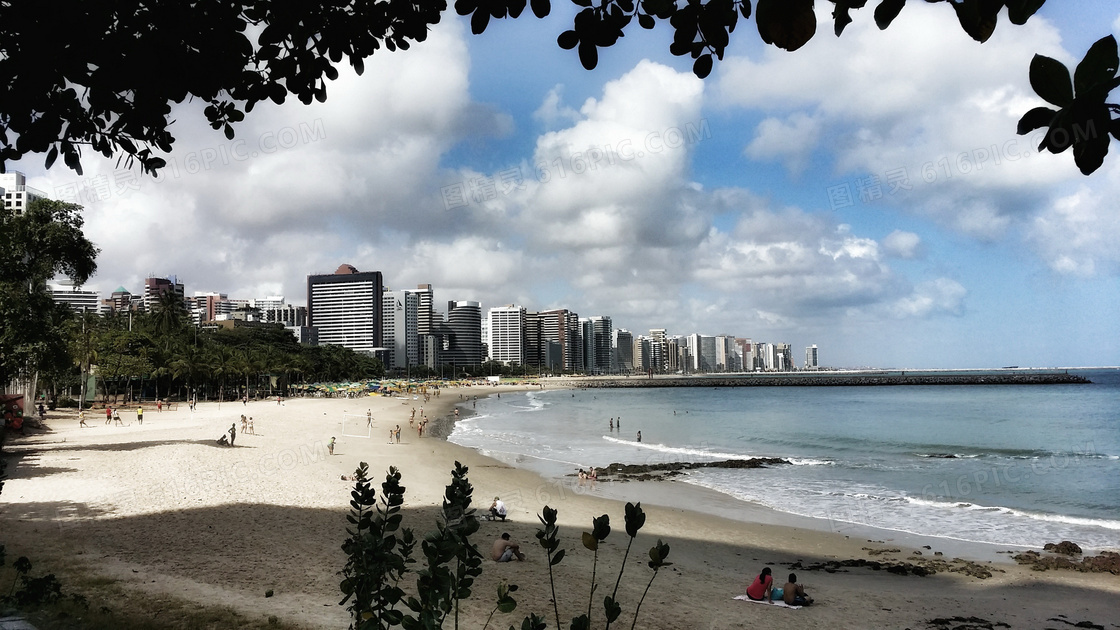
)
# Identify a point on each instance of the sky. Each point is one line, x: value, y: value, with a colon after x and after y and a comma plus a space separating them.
x: 867, y: 194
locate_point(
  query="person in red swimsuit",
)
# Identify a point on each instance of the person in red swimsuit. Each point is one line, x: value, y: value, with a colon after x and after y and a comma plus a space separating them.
x: 759, y: 590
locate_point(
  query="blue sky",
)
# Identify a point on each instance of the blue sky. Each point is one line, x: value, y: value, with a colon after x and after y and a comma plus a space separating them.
x: 724, y: 206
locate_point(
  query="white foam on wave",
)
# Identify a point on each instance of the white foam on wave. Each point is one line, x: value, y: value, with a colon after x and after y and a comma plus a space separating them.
x: 689, y: 452
x: 1040, y: 516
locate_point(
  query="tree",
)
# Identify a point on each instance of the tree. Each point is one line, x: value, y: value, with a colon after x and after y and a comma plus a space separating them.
x: 43, y: 242
x: 233, y: 55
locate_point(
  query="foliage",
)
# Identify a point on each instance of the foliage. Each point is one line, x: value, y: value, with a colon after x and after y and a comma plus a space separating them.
x: 111, y: 86
x: 43, y: 242
x: 378, y: 559
x: 233, y: 55
x: 1083, y: 119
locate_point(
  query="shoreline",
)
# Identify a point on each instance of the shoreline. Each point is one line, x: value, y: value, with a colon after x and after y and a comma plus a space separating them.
x: 856, y: 378
x: 225, y: 524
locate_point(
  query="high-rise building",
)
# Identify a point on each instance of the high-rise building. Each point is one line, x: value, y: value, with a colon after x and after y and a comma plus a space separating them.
x: 623, y: 350
x: 15, y: 194
x: 507, y: 334
x: 345, y: 307
x: 811, y: 358
x: 207, y: 306
x: 463, y: 334
x: 155, y: 287
x: 599, y: 350
x: 427, y: 320
x: 398, y: 330
x: 562, y: 326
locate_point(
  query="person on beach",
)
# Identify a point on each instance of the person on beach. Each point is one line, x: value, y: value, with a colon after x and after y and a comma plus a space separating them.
x: 139, y: 415
x: 612, y: 423
x: 794, y: 593
x: 232, y: 433
x: 244, y: 423
x: 504, y: 550
x: 108, y: 414
x: 497, y: 509
x: 390, y: 435
x: 761, y: 588
x: 117, y: 417
x: 159, y: 406
x: 639, y: 436
x: 369, y: 418
x: 251, y: 429
x: 82, y: 419
x: 397, y: 434
x: 330, y: 446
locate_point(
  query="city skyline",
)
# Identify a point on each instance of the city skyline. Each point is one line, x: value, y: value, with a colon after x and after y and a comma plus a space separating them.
x: 867, y: 193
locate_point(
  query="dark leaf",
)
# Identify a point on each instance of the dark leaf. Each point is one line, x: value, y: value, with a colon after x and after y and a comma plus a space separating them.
x: 588, y: 55
x: 541, y: 8
x: 978, y: 17
x: 1035, y: 119
x: 745, y: 9
x: 568, y: 40
x: 479, y: 21
x: 557, y: 558
x: 1098, y: 68
x: 787, y: 24
x: 887, y: 11
x: 703, y: 66
x: 52, y: 155
x: 1019, y: 11
x: 645, y: 21
x: 590, y: 542
x: 1050, y: 80
x: 1089, y: 155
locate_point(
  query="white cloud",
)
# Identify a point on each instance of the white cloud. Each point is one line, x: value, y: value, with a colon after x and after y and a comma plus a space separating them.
x: 553, y: 112
x: 1078, y: 233
x: 935, y: 297
x: 791, y: 140
x: 902, y: 244
x: 920, y: 104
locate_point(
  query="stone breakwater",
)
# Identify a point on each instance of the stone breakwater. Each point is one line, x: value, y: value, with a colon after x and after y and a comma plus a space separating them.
x: 831, y: 380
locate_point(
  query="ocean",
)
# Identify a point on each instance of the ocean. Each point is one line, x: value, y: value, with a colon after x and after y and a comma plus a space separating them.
x: 1018, y: 465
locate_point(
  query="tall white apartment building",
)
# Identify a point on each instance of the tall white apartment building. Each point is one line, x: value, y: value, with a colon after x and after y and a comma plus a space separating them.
x: 507, y: 334
x: 345, y: 307
x: 15, y: 194
x: 398, y: 329
x: 811, y: 358
x: 63, y: 291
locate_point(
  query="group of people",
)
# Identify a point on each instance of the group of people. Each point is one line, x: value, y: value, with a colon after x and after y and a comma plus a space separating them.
x: 247, y: 424
x: 792, y: 593
x: 395, y: 434
x: 587, y: 475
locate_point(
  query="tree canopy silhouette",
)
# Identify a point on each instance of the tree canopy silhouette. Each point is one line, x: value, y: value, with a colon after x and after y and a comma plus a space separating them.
x: 104, y: 74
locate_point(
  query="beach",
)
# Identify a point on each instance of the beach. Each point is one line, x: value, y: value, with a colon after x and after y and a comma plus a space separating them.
x: 162, y: 510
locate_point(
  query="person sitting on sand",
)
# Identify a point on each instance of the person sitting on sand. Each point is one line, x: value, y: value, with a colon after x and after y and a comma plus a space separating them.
x: 504, y: 550
x: 760, y: 589
x: 794, y: 593
x: 498, y: 509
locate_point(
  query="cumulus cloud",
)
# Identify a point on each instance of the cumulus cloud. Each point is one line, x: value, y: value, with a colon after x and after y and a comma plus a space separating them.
x: 791, y: 140
x: 902, y: 244
x: 1077, y: 234
x: 918, y: 109
x: 942, y: 296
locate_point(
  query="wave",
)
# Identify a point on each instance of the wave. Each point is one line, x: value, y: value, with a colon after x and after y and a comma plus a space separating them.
x: 689, y: 452
x: 1038, y: 516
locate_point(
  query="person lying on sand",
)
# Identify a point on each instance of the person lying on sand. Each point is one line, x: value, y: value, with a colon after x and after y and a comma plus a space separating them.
x: 794, y: 593
x: 504, y: 550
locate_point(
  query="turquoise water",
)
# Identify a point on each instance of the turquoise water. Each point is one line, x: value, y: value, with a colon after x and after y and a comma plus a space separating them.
x: 1013, y: 465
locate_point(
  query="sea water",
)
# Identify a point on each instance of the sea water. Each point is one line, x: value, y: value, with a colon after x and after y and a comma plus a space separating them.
x: 1015, y: 465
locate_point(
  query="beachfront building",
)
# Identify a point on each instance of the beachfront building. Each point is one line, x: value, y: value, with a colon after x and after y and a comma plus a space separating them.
x: 811, y: 358
x: 562, y: 326
x: 598, y: 350
x: 63, y: 291
x: 727, y: 354
x: 273, y: 309
x: 623, y: 342
x: 507, y: 334
x: 345, y: 307
x: 462, y: 341
x: 15, y: 194
x: 398, y: 329
x: 673, y: 356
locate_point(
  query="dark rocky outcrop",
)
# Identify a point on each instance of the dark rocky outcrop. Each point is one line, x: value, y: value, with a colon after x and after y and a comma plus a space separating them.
x: 668, y: 470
